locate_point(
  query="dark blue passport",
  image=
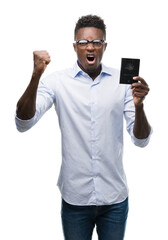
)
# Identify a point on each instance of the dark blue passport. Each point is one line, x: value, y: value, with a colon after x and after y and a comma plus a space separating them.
x: 129, y: 69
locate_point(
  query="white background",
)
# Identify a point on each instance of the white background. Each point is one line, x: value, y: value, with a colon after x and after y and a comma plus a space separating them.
x: 30, y: 202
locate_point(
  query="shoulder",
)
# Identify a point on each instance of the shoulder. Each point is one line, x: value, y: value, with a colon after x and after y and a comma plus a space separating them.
x: 110, y: 71
x: 54, y: 78
x: 113, y: 77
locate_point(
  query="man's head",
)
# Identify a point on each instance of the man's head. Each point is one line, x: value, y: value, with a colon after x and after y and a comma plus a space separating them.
x: 92, y: 29
x: 90, y: 21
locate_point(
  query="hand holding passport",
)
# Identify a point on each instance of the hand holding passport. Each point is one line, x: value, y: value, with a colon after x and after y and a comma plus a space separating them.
x: 129, y: 69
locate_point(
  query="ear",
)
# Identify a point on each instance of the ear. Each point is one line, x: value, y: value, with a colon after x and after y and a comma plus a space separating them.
x: 105, y: 45
x: 74, y: 46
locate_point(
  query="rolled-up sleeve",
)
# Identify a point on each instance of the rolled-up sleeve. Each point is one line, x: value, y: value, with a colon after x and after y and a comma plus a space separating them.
x: 24, y: 125
x: 141, y: 142
x: 44, y: 101
x: 129, y: 114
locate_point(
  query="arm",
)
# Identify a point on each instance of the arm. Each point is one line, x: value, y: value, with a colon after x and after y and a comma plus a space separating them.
x: 26, y: 105
x: 141, y: 128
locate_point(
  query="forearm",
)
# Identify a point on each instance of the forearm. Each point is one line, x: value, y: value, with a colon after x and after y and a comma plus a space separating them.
x: 26, y: 106
x: 141, y: 128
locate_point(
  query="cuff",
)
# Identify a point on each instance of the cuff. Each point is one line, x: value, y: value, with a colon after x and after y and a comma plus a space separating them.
x: 141, y: 142
x: 24, y: 125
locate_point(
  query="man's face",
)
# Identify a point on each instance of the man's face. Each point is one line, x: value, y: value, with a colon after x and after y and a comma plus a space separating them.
x: 89, y: 57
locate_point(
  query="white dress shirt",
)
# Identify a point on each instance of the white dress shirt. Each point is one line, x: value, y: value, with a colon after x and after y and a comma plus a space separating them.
x: 90, y: 117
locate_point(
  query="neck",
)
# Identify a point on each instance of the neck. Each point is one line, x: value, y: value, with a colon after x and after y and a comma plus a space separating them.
x: 92, y: 73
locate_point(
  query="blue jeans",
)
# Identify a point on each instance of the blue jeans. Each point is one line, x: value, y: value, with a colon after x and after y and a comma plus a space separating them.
x: 78, y: 221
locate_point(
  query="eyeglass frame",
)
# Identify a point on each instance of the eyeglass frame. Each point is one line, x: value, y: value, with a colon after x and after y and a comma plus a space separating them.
x: 101, y: 41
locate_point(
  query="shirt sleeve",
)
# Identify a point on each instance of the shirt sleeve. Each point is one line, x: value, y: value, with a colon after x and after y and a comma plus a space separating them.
x: 44, y: 101
x: 129, y: 114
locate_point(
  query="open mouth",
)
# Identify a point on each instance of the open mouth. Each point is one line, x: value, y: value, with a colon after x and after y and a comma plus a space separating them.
x: 91, y: 59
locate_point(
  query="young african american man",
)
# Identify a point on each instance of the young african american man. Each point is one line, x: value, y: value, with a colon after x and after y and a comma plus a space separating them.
x: 90, y: 104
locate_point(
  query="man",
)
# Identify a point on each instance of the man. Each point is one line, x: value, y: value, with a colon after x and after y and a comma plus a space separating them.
x: 90, y: 104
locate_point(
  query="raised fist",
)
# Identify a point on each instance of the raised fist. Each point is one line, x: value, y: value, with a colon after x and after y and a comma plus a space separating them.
x: 41, y: 60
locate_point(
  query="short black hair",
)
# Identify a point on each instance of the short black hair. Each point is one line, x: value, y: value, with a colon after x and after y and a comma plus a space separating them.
x: 90, y: 21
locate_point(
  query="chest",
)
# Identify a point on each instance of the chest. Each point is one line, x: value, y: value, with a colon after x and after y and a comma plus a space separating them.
x: 83, y: 98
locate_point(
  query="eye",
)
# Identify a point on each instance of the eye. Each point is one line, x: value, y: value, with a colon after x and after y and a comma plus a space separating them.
x: 82, y: 42
x: 97, y: 43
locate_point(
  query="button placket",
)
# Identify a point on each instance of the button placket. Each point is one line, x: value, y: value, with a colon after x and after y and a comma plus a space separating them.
x: 93, y: 101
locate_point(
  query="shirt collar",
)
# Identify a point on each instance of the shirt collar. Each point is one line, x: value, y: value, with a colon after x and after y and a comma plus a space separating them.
x: 77, y: 70
x: 106, y: 70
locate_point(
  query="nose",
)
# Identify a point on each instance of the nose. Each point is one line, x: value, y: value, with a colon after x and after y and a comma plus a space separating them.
x: 90, y: 46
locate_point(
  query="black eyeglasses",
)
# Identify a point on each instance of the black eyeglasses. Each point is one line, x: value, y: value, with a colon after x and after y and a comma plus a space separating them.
x: 96, y: 43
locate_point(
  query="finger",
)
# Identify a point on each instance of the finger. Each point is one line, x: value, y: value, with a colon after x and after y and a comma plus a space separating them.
x: 139, y: 95
x: 143, y: 91
x: 139, y: 91
x: 45, y: 58
x: 140, y: 86
x: 140, y: 79
x: 41, y: 54
x: 46, y: 61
